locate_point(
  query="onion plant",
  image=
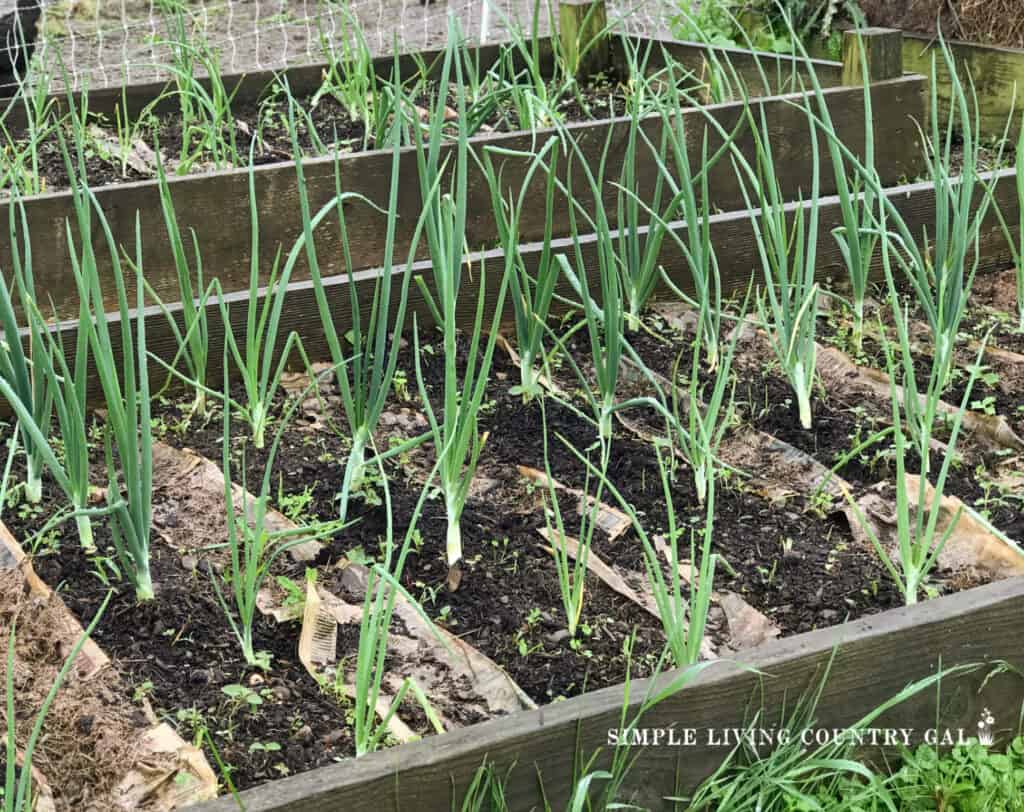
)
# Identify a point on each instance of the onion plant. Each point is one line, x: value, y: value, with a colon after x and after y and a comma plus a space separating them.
x: 639, y: 248
x: 788, y: 303
x: 939, y: 265
x: 644, y: 216
x: 25, y: 382
x: 193, y: 336
x: 856, y: 238
x: 20, y: 167
x: 942, y: 274
x: 571, y: 565
x: 207, y: 123
x: 534, y: 91
x: 17, y: 788
x: 693, y: 195
x: 531, y: 295
x: 254, y: 355
x: 383, y: 591
x: 444, y: 219
x: 918, y: 539
x: 127, y: 400
x: 350, y: 79
x: 366, y: 380
x: 123, y: 372
x: 604, y: 314
x: 254, y: 546
x: 921, y: 405
x: 68, y: 389
x: 698, y: 428
x: 683, y: 610
x: 255, y: 359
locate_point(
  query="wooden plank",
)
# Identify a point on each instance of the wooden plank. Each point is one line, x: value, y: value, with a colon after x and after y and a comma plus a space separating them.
x: 585, y: 36
x: 875, y: 658
x: 762, y: 73
x: 216, y: 206
x: 252, y: 86
x: 305, y: 79
x: 997, y: 73
x: 731, y: 234
x: 882, y: 51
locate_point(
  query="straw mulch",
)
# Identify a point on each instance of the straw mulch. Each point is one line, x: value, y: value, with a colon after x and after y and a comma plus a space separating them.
x: 994, y: 22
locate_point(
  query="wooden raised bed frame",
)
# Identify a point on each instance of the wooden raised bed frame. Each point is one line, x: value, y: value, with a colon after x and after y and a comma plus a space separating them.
x: 216, y: 205
x: 875, y: 658
x: 731, y: 233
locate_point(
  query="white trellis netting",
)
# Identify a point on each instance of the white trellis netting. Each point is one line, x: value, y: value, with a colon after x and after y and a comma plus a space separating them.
x: 103, y: 43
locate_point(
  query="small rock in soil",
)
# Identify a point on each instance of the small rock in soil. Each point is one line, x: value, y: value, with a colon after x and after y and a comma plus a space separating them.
x: 281, y: 693
x: 559, y: 636
x: 304, y: 733
x: 200, y: 676
x: 354, y: 580
x: 189, y: 563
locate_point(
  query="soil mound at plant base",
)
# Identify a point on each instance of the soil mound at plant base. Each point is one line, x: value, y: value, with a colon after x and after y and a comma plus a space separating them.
x: 992, y: 22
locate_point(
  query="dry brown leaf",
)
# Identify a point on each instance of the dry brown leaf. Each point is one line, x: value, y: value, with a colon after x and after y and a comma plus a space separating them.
x: 971, y: 546
x: 612, y: 521
x: 609, y: 576
x: 843, y: 376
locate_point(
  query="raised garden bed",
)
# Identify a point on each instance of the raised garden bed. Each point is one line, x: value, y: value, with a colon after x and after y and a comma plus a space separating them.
x: 486, y: 639
x: 215, y: 206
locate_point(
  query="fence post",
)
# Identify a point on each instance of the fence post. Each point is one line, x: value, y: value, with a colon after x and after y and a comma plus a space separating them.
x: 584, y: 35
x: 883, y: 52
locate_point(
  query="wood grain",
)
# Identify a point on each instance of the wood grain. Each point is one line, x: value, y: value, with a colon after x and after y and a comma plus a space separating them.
x: 882, y: 51
x: 762, y: 73
x: 997, y: 74
x: 874, y: 659
x: 731, y: 233
x: 216, y: 206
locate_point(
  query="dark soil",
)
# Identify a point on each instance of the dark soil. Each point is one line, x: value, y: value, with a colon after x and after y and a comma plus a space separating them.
x: 796, y: 561
x: 509, y: 590
x: 178, y: 651
x: 800, y: 568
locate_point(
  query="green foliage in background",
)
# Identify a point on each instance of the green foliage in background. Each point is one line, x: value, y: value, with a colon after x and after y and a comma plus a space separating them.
x: 761, y: 24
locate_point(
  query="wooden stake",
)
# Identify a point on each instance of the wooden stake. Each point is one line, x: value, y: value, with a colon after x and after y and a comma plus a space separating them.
x: 585, y: 38
x: 883, y: 50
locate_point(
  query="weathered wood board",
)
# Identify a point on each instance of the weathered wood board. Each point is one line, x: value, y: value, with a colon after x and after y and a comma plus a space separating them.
x: 997, y: 75
x: 731, y: 233
x: 875, y: 658
x: 216, y: 206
